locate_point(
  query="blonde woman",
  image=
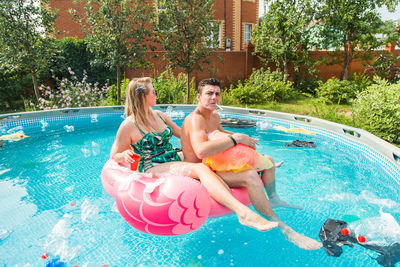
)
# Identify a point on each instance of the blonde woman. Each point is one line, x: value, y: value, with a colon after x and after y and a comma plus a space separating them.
x: 148, y: 132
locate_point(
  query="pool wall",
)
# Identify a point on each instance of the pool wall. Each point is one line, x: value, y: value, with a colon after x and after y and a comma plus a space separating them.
x: 355, y: 135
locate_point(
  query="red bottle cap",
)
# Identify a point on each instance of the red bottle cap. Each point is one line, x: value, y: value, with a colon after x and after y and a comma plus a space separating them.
x: 344, y: 231
x: 361, y: 239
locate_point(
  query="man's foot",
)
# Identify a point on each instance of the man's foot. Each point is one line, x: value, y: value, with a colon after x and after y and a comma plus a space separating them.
x: 301, y: 241
x: 254, y: 220
x: 277, y: 202
x: 279, y: 164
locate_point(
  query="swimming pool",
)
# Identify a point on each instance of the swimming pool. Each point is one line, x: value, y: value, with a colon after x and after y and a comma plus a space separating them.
x: 52, y: 200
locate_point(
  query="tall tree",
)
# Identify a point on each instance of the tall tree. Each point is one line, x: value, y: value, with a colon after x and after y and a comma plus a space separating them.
x: 26, y: 27
x: 187, y: 33
x: 283, y: 36
x: 116, y: 31
x: 348, y: 24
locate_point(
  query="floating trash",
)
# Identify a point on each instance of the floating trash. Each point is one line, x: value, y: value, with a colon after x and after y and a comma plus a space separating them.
x: 93, y: 118
x: 264, y: 125
x: 44, y: 125
x: 95, y: 148
x: 172, y: 114
x: 86, y: 152
x: 88, y: 211
x: 69, y: 128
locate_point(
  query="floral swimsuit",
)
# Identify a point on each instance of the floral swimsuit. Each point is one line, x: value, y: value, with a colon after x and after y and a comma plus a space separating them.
x: 155, y: 148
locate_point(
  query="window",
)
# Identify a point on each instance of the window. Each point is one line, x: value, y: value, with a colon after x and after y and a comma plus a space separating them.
x: 247, y: 33
x: 215, y: 37
x: 161, y: 13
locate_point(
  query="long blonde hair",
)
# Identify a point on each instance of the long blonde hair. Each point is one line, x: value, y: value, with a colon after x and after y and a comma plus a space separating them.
x: 136, y: 93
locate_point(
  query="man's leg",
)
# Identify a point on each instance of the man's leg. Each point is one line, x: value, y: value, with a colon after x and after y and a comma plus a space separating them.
x: 268, y: 178
x: 251, y: 180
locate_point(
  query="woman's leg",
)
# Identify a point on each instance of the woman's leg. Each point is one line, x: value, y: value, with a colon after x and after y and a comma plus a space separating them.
x: 219, y: 191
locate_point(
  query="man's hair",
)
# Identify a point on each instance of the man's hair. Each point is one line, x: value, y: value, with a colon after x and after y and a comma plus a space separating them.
x: 208, y: 81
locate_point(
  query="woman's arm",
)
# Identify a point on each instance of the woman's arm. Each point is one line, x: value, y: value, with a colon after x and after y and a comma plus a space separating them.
x: 123, y: 151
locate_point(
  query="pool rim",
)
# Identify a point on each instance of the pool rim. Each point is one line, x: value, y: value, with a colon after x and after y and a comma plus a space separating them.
x: 389, y: 151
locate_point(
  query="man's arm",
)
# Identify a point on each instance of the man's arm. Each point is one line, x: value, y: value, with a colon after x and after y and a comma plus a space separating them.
x: 202, y: 147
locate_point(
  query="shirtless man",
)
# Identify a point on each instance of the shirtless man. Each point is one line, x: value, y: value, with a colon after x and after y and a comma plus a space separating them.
x: 196, y: 147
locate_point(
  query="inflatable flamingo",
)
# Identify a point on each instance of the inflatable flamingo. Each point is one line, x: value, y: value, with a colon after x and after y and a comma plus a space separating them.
x: 169, y: 205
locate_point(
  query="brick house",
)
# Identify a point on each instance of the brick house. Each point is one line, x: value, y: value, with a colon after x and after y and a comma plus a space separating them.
x: 236, y: 17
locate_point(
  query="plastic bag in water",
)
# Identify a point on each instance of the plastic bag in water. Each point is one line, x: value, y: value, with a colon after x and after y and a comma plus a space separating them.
x: 382, y: 230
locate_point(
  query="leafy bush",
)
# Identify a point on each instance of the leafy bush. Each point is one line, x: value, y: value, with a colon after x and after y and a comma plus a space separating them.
x: 227, y: 98
x: 338, y: 92
x: 362, y: 80
x: 377, y: 110
x: 112, y: 93
x: 72, y: 93
x: 171, y: 89
x: 262, y: 86
x: 14, y: 88
x: 308, y: 86
x: 385, y: 67
x: 73, y: 53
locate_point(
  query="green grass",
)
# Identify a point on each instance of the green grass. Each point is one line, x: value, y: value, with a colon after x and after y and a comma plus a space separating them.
x: 311, y: 107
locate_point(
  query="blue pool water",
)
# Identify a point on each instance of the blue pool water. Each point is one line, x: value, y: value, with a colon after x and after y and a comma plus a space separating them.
x: 52, y: 200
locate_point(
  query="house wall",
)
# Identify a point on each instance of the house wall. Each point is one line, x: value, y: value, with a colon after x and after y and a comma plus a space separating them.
x: 230, y: 67
x: 235, y: 65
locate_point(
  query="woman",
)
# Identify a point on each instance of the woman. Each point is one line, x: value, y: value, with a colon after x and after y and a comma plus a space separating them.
x: 148, y: 132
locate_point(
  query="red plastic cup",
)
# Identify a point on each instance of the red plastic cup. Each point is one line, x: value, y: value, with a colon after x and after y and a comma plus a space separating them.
x: 136, y: 159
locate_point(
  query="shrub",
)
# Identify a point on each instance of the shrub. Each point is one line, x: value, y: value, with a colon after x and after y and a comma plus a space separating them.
x: 14, y: 88
x: 171, y: 89
x: 385, y: 67
x: 336, y: 91
x: 362, y: 81
x: 377, y: 110
x: 263, y: 86
x: 227, y: 98
x: 308, y: 86
x: 73, y: 53
x: 112, y: 93
x: 72, y: 93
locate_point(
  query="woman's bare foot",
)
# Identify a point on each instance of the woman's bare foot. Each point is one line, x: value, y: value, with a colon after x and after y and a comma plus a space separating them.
x: 299, y: 240
x: 252, y: 219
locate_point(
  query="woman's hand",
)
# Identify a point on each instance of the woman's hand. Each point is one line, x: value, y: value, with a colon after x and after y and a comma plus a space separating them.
x: 124, y: 156
x: 245, y: 139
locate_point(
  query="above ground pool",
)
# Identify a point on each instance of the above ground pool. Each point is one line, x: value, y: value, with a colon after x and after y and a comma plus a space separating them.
x: 53, y: 207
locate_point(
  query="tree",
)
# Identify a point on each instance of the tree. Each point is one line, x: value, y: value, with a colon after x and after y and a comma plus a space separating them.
x: 284, y: 35
x: 116, y: 31
x: 351, y: 23
x: 187, y: 33
x: 25, y: 32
